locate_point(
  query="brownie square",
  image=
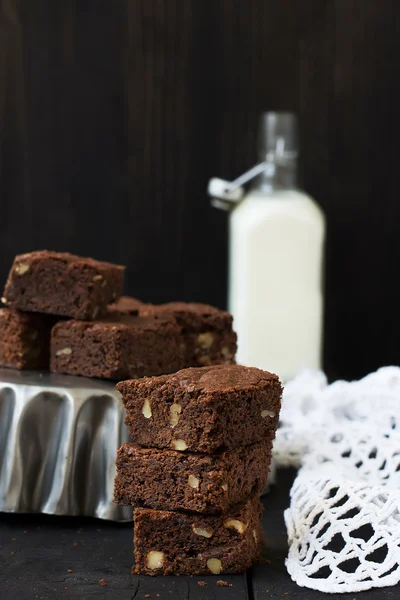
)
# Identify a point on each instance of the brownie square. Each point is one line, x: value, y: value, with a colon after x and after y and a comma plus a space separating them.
x: 169, y: 542
x: 118, y: 347
x: 62, y: 284
x: 205, y: 409
x: 24, y: 339
x: 204, y: 483
x: 207, y: 334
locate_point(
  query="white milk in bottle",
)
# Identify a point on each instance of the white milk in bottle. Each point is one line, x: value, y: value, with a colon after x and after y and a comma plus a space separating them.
x: 276, y: 256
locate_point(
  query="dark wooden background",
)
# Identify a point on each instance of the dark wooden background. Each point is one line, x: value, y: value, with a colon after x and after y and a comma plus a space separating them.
x: 114, y: 114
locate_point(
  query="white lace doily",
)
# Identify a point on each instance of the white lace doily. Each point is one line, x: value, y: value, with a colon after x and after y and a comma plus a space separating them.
x: 344, y: 517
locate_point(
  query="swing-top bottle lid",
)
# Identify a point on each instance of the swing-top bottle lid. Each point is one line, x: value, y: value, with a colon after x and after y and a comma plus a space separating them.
x: 278, y: 137
x: 278, y: 146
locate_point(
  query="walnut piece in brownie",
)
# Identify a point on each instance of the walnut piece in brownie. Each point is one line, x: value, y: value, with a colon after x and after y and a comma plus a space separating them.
x: 62, y: 284
x: 24, y: 339
x: 204, y: 483
x: 207, y: 333
x: 169, y: 542
x: 118, y: 347
x: 205, y: 409
x: 126, y: 305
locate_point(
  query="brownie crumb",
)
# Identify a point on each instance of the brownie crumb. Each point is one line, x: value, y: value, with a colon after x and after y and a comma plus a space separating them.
x: 201, y: 583
x: 69, y: 571
x: 12, y: 553
x: 223, y: 583
x: 102, y: 582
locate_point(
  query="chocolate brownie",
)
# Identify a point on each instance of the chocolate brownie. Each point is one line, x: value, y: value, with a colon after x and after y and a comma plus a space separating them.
x: 192, y: 544
x: 126, y: 305
x: 171, y: 480
x: 118, y: 347
x: 62, y: 284
x: 204, y: 409
x: 24, y: 339
x: 207, y: 333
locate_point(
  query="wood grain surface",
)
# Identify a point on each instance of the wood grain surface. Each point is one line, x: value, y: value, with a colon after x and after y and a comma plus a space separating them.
x: 60, y: 558
x: 114, y: 114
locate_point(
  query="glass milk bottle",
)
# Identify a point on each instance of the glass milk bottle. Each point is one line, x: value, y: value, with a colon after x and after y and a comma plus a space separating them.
x: 276, y: 255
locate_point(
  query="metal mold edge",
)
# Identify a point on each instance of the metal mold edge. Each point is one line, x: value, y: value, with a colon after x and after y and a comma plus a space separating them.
x: 59, y: 437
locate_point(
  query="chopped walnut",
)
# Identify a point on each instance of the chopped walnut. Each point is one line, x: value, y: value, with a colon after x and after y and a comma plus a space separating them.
x: 21, y: 268
x: 267, y: 413
x: 155, y: 560
x: 193, y: 481
x: 66, y: 351
x: 202, y: 532
x: 214, y: 565
x: 205, y: 340
x: 179, y: 445
x: 235, y: 524
x: 146, y: 409
x: 175, y: 413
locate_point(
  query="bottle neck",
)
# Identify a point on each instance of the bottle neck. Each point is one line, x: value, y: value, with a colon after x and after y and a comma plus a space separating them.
x: 276, y: 177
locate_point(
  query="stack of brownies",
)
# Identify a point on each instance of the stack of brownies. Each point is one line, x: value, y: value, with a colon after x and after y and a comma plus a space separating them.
x: 199, y: 461
x: 202, y: 426
x: 43, y: 288
x: 66, y: 312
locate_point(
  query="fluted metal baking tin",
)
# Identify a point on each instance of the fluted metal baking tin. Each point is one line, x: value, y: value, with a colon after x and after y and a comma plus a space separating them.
x: 59, y: 437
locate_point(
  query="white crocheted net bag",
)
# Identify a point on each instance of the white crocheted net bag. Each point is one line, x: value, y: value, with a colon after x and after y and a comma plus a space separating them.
x: 344, y: 517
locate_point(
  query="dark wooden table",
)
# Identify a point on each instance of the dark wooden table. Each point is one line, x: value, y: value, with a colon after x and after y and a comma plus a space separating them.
x: 43, y: 557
